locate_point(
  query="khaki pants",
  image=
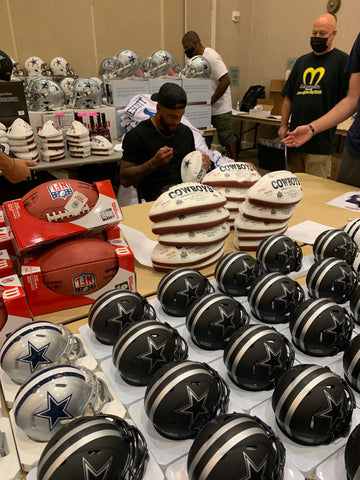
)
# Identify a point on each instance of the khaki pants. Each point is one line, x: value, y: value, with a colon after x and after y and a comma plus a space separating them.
x: 318, y: 165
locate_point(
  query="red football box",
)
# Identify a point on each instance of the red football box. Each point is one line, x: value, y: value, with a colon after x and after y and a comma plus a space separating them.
x: 43, y: 300
x: 6, y: 267
x: 30, y: 232
x: 16, y: 306
x: 7, y: 240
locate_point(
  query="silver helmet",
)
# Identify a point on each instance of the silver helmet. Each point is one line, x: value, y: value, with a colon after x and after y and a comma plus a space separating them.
x: 44, y: 94
x: 161, y: 63
x: 86, y: 93
x: 197, y: 67
x: 130, y: 64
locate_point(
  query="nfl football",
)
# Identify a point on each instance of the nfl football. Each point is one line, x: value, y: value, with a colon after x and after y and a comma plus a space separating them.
x: 3, y: 312
x: 192, y: 167
x: 238, y: 175
x: 60, y: 201
x: 192, y: 221
x: 185, y: 198
x: 78, y: 267
x: 276, y: 189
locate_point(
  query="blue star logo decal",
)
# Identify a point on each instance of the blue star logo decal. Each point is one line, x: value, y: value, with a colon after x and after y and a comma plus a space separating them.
x: 91, y: 473
x: 36, y: 356
x: 187, y: 163
x: 55, y: 411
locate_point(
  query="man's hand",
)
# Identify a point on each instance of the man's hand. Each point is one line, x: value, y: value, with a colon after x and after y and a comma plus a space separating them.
x: 282, y: 131
x: 162, y: 157
x: 206, y: 161
x: 17, y: 169
x: 298, y: 137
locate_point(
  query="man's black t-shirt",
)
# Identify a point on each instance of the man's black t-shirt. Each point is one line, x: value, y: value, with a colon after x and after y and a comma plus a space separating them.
x: 142, y: 143
x: 353, y: 137
x: 315, y: 85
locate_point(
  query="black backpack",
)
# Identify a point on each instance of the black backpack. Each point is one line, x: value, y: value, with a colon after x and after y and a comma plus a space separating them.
x: 250, y: 98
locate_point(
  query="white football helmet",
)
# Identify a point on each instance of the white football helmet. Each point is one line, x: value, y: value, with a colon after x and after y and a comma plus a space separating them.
x: 44, y: 94
x: 36, y: 67
x: 36, y: 345
x: 86, y: 93
x: 197, y: 67
x: 130, y: 64
x: 55, y: 396
x: 67, y: 85
x: 161, y: 63
x: 60, y: 66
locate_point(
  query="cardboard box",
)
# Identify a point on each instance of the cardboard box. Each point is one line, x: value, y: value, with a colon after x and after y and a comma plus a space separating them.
x: 13, y: 102
x: 17, y: 309
x: 198, y: 90
x: 199, y: 115
x: 6, y: 267
x: 30, y: 232
x: 276, y: 87
x: 2, y: 219
x: 156, y: 83
x: 120, y: 92
x: 43, y: 300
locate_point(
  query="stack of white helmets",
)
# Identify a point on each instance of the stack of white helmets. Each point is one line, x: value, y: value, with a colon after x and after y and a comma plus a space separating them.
x: 191, y: 222
x: 52, y: 142
x: 269, y: 204
x: 232, y: 180
x: 78, y: 138
x: 21, y: 140
x: 101, y: 146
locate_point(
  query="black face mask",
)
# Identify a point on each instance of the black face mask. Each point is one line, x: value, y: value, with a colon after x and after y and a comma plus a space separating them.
x: 190, y: 52
x: 319, y: 44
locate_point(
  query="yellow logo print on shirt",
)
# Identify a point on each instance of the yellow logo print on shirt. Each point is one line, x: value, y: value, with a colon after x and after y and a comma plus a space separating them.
x: 316, y: 74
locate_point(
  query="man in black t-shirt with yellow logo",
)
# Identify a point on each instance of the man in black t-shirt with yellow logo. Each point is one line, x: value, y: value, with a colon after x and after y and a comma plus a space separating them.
x: 317, y: 82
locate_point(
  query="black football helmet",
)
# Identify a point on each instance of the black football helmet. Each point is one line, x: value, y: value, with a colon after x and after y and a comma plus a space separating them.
x: 179, y: 288
x: 144, y: 347
x: 114, y: 310
x: 321, y: 327
x: 256, y: 356
x: 331, y: 278
x: 183, y: 396
x: 351, y: 363
x: 313, y: 405
x: 235, y: 272
x: 104, y: 446
x: 355, y: 305
x: 273, y: 297
x: 278, y: 253
x: 213, y: 318
x: 335, y: 243
x: 352, y: 458
x: 6, y: 66
x: 236, y: 446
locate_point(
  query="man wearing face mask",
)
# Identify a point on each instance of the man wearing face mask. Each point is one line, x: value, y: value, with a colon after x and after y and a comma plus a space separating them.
x: 317, y: 82
x: 221, y: 106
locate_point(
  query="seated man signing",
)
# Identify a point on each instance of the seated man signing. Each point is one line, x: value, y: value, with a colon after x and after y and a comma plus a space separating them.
x: 154, y: 149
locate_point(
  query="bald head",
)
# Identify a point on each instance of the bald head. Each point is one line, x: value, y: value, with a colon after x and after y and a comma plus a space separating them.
x: 325, y: 27
x: 192, y: 44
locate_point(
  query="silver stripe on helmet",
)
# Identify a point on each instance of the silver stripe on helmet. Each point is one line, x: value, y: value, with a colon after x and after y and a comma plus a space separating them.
x: 323, y: 268
x: 314, y: 310
x: 209, y: 301
x: 250, y: 331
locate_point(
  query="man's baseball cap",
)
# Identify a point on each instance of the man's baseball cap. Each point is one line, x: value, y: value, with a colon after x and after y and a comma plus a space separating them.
x: 170, y: 96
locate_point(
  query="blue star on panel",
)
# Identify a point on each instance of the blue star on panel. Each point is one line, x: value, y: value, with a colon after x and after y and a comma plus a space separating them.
x: 55, y: 411
x: 36, y: 356
x: 33, y: 61
x: 187, y: 163
x: 90, y: 473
